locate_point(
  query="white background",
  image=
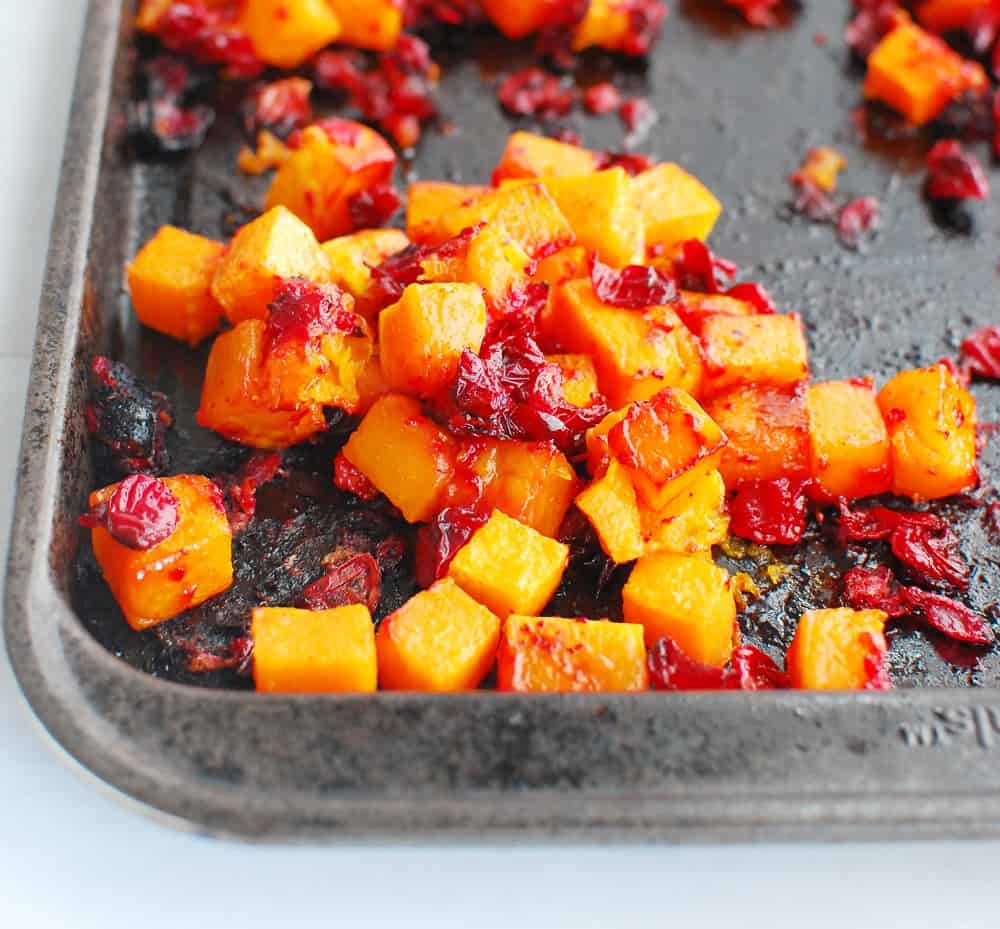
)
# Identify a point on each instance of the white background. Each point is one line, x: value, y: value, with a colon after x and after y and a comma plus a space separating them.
x: 72, y: 858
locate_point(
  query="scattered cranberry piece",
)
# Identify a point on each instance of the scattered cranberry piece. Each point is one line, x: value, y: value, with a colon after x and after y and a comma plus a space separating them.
x: 670, y: 668
x: 981, y: 352
x: 259, y: 469
x: 645, y: 19
x: 953, y: 174
x: 602, y: 98
x: 814, y: 203
x: 632, y: 162
x: 534, y: 92
x: 442, y: 537
x: 355, y: 579
x: 280, y: 107
x: 209, y: 36
x: 951, y: 618
x: 699, y: 268
x: 636, y: 115
x: 755, y: 294
x: 856, y: 220
x: 140, y: 513
x: 769, y: 512
x: 632, y: 287
x: 880, y: 522
x: 874, y: 589
x: 874, y: 19
x: 760, y: 13
x: 934, y: 557
x: 302, y: 311
x: 237, y: 655
x: 876, y: 673
x: 348, y: 478
x: 752, y: 669
x: 159, y: 120
x: 373, y: 206
x: 420, y: 13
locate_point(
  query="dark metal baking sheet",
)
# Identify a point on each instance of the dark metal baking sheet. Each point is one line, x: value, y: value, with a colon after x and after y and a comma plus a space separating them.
x: 739, y: 108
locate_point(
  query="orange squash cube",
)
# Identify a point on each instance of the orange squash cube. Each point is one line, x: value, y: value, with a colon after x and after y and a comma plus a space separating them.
x: 170, y: 281
x: 606, y: 24
x: 285, y: 33
x: 768, y: 432
x: 333, y: 162
x: 579, y: 377
x: 509, y: 567
x: 439, y: 640
x: 313, y: 651
x: 636, y: 352
x: 567, y: 264
x: 423, y: 335
x: 946, y: 15
x: 753, y: 350
x: 918, y: 74
x: 689, y: 599
x: 373, y: 24
x: 931, y: 421
x: 664, y: 444
x: 849, y: 453
x: 430, y: 203
x: 495, y: 261
x: 551, y: 654
x: 193, y: 564
x: 351, y: 258
x: 275, y: 245
x: 692, y: 522
x: 371, y: 383
x: 527, y: 154
x: 675, y: 206
x: 610, y: 504
x: 836, y: 649
x: 406, y: 455
x: 237, y: 394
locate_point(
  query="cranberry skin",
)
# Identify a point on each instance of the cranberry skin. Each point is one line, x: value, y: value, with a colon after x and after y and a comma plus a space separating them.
x: 439, y: 541
x: 880, y: 522
x: 935, y: 558
x: 303, y: 311
x: 760, y: 13
x: 769, y: 512
x: 699, y: 268
x: 279, y: 106
x: 633, y: 287
x: 751, y: 669
x: 140, y: 513
x: 951, y: 618
x: 874, y: 19
x: 602, y: 98
x: 633, y: 163
x: 954, y: 174
x: 755, y: 294
x: 874, y: 589
x: 348, y: 478
x: 373, y: 206
x: 357, y: 579
x: 534, y: 92
x: 857, y: 220
x: 670, y: 668
x: 981, y: 352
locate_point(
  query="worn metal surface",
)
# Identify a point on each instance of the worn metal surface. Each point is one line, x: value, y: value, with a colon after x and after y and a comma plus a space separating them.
x: 738, y: 107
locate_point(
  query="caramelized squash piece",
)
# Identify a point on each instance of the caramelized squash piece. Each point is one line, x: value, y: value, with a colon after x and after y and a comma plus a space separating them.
x: 849, y: 452
x: 509, y: 567
x: 351, y: 258
x: 689, y: 599
x: 495, y: 261
x: 285, y: 33
x: 275, y: 245
x: 606, y: 24
x: 527, y: 154
x: 332, y: 164
x: 931, y: 421
x: 610, y: 504
x: 768, y: 431
x: 372, y: 24
x: 311, y: 652
x: 423, y: 335
x: 918, y: 74
x: 439, y: 640
x: 566, y: 264
x: 429, y: 205
x: 551, y: 654
x: 193, y: 564
x: 406, y: 455
x: 636, y: 352
x: 675, y: 206
x: 692, y: 522
x: 170, y: 281
x: 579, y: 377
x: 837, y: 649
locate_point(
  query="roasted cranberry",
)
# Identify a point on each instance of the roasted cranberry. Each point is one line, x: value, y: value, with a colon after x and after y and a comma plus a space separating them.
x: 933, y: 557
x: 259, y: 469
x: 302, y: 311
x: 209, y: 36
x: 981, y: 352
x: 875, y: 589
x: 632, y: 162
x: 373, y: 206
x: 951, y: 618
x: 343, y: 70
x: 602, y: 98
x: 632, y: 287
x: 280, y: 107
x: 534, y: 92
x: 856, y: 220
x: 874, y: 19
x: 645, y: 19
x: 356, y: 578
x: 636, y: 115
x: 670, y: 668
x: 880, y: 522
x: 751, y: 669
x: 348, y: 478
x: 698, y: 268
x: 755, y: 294
x: 760, y: 13
x: 439, y: 541
x: 140, y: 513
x: 954, y: 174
x: 160, y: 121
x: 769, y: 512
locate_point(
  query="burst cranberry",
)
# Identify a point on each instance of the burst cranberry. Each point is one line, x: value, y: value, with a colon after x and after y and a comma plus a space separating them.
x: 760, y: 13
x: 439, y: 541
x: 645, y: 19
x: 880, y: 522
x: 342, y: 70
x: 636, y: 115
x: 954, y: 174
x: 534, y: 92
x: 355, y: 579
x: 140, y: 513
x: 697, y: 267
x: 303, y: 311
x: 951, y: 618
x: 348, y: 478
x: 259, y: 469
x: 602, y: 98
x: 373, y: 206
x: 420, y: 13
x: 279, y: 106
x: 632, y: 287
x: 632, y: 162
x: 755, y: 294
x: 392, y: 276
x: 933, y: 557
x: 748, y: 669
x: 981, y: 352
x: 857, y: 220
x: 874, y: 589
x: 769, y: 512
x: 206, y: 35
x: 160, y: 121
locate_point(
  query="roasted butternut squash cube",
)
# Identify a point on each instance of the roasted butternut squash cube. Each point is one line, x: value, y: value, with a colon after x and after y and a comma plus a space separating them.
x: 918, y: 74
x: 285, y: 33
x: 579, y: 377
x: 509, y: 567
x: 527, y: 154
x: 931, y: 421
x: 375, y: 25
x: 439, y: 640
x: 606, y: 24
x: 753, y: 350
x: 495, y: 261
x: 674, y: 205
x: 602, y: 212
x: 551, y: 654
x: 664, y: 444
x: 692, y: 522
x: 352, y: 257
x: 688, y: 599
x: 636, y: 352
x: 947, y: 15
x: 313, y: 651
x: 273, y: 246
x: 768, y: 432
x: 423, y: 335
x: 237, y: 394
x: 193, y: 564
x: 406, y: 455
x: 333, y: 163
x: 371, y: 383
x: 610, y: 504
x: 170, y: 281
x: 837, y: 649
x: 429, y: 205
x: 567, y: 264
x: 849, y: 453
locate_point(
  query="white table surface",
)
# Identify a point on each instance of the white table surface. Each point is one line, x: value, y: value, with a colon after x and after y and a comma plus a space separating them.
x: 72, y: 857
